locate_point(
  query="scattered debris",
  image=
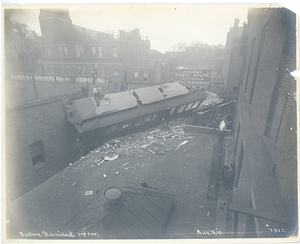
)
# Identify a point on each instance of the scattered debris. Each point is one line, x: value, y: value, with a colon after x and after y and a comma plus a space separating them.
x: 150, y: 151
x: 125, y: 164
x: 117, y: 173
x: 181, y: 144
x: 116, y: 156
x: 104, y: 175
x: 207, y: 214
x: 88, y: 193
x: 122, y: 151
x: 74, y: 183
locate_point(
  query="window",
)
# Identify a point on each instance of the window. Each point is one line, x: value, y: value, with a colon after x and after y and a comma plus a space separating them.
x: 48, y: 52
x: 37, y: 154
x: 181, y: 109
x: 101, y: 70
x: 79, y: 51
x: 136, y: 76
x: 249, y: 64
x: 59, y: 49
x: 100, y: 52
x: 145, y: 76
x: 138, y: 121
x: 79, y: 71
x: 172, y: 110
x: 196, y: 105
x: 147, y: 118
x: 68, y: 69
x: 94, y: 52
x: 83, y: 69
x: 189, y: 106
x: 63, y: 69
x: 260, y: 50
x: 239, y: 165
x: 65, y: 51
x: 116, y: 72
x: 49, y: 68
x: 237, y: 136
x: 115, y: 53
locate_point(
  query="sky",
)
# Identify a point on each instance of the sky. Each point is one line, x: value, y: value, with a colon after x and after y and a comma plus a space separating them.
x: 165, y: 25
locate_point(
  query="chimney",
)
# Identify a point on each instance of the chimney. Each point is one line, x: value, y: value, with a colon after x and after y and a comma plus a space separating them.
x: 236, y: 24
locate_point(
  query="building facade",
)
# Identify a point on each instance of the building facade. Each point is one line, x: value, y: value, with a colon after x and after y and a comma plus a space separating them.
x: 232, y: 63
x: 148, y: 75
x: 73, y: 50
x: 265, y: 128
x: 39, y: 143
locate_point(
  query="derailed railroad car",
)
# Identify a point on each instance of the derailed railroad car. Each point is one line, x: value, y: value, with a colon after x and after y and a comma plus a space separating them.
x: 130, y: 110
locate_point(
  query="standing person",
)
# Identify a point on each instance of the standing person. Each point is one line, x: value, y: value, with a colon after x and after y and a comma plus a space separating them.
x: 222, y: 127
x: 85, y: 89
x: 96, y: 93
x: 94, y: 73
x: 122, y: 86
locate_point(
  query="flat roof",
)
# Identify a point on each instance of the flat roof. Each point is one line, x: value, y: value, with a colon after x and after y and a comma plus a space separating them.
x: 149, y: 94
x: 173, y: 89
x: 116, y: 102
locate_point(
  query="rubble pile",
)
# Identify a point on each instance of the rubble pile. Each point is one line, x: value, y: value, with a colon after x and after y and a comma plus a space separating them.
x: 162, y: 140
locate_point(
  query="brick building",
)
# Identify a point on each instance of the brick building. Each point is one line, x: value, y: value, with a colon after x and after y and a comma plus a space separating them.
x: 265, y: 124
x: 232, y: 63
x: 74, y: 50
x: 39, y: 142
x: 147, y: 75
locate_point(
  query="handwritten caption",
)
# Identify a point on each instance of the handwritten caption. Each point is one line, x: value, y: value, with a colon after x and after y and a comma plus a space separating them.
x: 213, y: 232
x: 218, y: 232
x: 69, y: 234
x: 276, y: 230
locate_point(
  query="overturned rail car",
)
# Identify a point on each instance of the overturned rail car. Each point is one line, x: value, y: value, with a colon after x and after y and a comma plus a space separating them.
x: 130, y: 110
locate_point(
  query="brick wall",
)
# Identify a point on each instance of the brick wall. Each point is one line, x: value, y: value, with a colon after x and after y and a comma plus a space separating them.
x: 268, y: 167
x: 42, y: 121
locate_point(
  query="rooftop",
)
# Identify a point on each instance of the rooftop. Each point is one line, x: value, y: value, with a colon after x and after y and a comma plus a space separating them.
x: 168, y: 161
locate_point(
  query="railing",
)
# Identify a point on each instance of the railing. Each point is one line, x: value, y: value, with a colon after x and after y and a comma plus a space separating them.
x: 208, y: 117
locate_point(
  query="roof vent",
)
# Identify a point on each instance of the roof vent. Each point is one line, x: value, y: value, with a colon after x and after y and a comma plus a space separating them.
x: 113, y: 195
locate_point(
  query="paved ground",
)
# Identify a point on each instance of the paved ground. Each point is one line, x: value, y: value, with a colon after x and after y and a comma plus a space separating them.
x: 184, y: 172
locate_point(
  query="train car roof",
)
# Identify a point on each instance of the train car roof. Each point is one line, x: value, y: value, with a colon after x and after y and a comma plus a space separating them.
x: 81, y: 109
x: 85, y: 108
x: 172, y: 90
x: 149, y: 94
x: 116, y: 102
x: 197, y: 95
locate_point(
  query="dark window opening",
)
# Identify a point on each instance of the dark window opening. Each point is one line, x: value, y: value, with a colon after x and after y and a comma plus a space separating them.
x: 37, y: 154
x: 239, y: 166
x: 249, y: 65
x: 260, y: 50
